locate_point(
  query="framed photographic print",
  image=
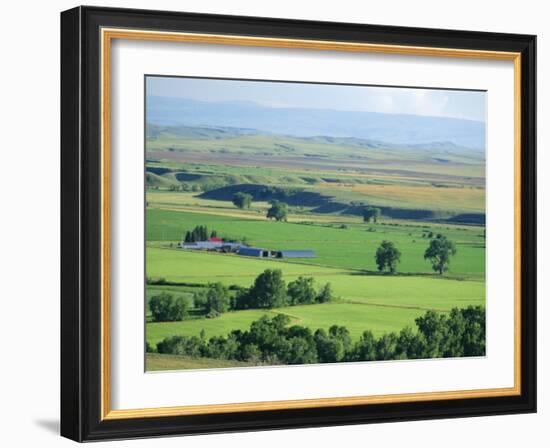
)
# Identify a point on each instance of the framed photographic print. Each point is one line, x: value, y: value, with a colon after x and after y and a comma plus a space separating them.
x: 276, y: 224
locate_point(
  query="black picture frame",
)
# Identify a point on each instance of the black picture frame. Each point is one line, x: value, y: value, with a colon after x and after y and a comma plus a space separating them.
x: 81, y: 224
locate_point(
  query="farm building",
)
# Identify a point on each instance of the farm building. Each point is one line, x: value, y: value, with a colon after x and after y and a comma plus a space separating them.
x: 295, y: 254
x: 202, y: 245
x: 213, y: 244
x: 219, y: 245
x: 230, y: 247
x: 253, y: 252
x: 264, y: 253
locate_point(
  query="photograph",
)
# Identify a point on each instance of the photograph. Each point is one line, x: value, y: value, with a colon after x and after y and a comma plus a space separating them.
x: 292, y: 223
x: 271, y: 223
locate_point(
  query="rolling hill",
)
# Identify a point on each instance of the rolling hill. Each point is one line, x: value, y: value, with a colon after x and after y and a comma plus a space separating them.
x: 302, y: 122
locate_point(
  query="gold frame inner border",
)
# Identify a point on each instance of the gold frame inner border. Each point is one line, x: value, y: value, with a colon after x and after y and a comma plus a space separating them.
x: 107, y: 36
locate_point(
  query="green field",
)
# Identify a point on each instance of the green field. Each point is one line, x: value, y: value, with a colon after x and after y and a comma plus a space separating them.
x: 352, y: 247
x: 277, y: 153
x: 424, y: 292
x: 379, y: 303
x: 157, y: 362
x: 356, y: 317
x: 192, y: 174
x: 437, y: 178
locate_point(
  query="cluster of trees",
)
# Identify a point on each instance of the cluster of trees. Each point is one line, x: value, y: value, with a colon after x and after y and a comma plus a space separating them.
x: 214, y: 300
x: 439, y: 253
x: 272, y: 341
x: 268, y: 291
x: 278, y: 211
x: 268, y: 192
x: 167, y: 308
x: 242, y: 200
x: 199, y: 233
x: 387, y: 256
x: 371, y: 214
x: 185, y: 187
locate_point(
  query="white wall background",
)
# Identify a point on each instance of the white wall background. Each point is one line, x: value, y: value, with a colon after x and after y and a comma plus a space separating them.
x: 29, y: 224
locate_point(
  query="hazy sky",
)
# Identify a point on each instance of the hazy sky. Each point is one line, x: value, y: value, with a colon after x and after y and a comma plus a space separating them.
x: 441, y: 103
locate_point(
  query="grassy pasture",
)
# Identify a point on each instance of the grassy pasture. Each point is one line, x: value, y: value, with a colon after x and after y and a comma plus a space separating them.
x: 157, y: 362
x: 296, y: 176
x: 384, y: 189
x: 187, y: 266
x: 422, y: 292
x: 375, y: 302
x: 357, y: 318
x: 220, y: 326
x: 191, y: 203
x: 422, y: 197
x: 350, y: 248
x: 282, y: 151
x: 349, y: 173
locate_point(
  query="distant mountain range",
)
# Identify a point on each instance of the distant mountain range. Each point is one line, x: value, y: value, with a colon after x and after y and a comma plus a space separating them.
x: 410, y: 130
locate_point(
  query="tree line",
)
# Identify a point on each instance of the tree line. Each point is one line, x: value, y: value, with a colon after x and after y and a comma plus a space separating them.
x: 269, y: 290
x: 274, y: 341
x: 199, y: 233
x: 183, y: 187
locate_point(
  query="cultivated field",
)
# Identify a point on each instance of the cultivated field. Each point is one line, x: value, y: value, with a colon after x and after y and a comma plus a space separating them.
x: 192, y: 176
x: 350, y: 247
x: 377, y: 302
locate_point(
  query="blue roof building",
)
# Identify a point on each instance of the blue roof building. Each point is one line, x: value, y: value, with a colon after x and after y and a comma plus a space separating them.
x: 253, y: 252
x: 246, y: 251
x: 295, y: 254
